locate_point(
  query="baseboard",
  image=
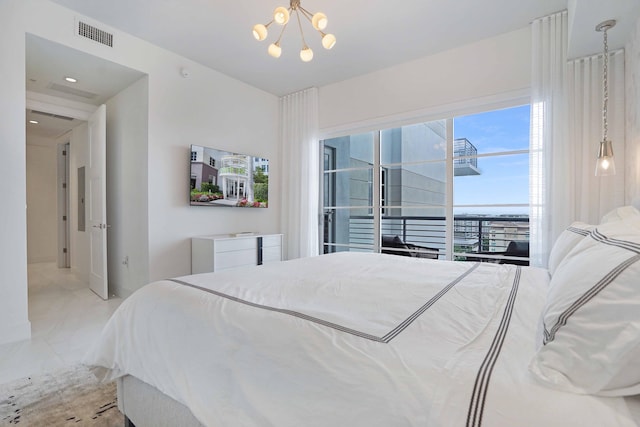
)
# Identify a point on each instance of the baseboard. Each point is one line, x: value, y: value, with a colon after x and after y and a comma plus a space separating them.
x: 16, y: 332
x: 120, y: 291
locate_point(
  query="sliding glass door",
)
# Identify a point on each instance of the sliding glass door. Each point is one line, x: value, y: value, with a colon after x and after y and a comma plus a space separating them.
x: 455, y: 188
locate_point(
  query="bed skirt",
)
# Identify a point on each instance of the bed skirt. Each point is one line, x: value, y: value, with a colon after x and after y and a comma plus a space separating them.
x: 145, y: 405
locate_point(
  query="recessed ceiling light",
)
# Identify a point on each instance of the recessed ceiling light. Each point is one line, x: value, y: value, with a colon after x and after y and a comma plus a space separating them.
x: 35, y: 122
x: 70, y: 79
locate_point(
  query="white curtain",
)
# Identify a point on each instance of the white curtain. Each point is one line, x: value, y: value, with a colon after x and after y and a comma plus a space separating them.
x: 566, y: 129
x: 591, y: 196
x: 548, y: 150
x: 300, y: 172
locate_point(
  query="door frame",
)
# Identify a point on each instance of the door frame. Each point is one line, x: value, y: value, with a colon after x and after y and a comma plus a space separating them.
x: 63, y: 220
x: 64, y: 107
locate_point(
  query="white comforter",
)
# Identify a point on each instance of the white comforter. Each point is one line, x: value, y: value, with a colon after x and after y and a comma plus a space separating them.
x: 347, y: 339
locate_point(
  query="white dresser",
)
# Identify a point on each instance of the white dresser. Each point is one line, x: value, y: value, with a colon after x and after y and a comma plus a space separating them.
x: 225, y: 251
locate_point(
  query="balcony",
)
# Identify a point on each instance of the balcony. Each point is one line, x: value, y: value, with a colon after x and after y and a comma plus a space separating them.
x: 465, y: 160
x: 497, y: 238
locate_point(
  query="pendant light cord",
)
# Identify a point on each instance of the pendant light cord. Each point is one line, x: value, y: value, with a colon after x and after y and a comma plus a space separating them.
x: 605, y: 102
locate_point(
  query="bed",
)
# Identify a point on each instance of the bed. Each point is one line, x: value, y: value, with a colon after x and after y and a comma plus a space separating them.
x: 362, y: 339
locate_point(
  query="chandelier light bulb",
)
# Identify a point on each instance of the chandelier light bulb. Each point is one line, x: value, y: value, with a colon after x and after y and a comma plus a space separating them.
x: 275, y: 50
x: 328, y: 41
x: 306, y: 54
x: 319, y: 21
x: 281, y: 15
x: 259, y: 32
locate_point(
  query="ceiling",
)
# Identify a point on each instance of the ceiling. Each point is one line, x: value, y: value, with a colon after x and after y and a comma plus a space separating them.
x: 371, y: 35
x: 47, y: 65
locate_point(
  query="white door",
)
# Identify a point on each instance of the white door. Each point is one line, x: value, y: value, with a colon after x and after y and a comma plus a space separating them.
x: 97, y: 203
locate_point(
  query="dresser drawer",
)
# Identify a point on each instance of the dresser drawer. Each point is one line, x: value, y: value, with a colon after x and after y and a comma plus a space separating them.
x: 271, y: 254
x: 235, y: 259
x: 238, y: 244
x: 271, y: 241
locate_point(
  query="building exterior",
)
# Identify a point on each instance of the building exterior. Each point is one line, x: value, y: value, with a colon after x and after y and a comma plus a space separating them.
x: 203, y: 167
x: 236, y: 177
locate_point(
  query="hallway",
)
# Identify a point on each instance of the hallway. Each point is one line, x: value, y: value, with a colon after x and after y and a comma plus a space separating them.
x: 66, y: 317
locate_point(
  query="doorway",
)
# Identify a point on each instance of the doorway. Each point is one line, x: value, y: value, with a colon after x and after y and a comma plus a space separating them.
x: 64, y: 87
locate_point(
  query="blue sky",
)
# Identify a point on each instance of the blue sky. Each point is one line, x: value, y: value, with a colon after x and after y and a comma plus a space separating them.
x: 503, y: 179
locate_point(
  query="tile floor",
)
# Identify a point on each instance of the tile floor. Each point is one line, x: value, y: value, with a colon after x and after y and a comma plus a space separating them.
x: 66, y: 317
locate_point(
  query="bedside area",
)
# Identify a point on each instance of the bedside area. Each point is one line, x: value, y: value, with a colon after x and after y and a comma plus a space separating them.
x: 227, y: 251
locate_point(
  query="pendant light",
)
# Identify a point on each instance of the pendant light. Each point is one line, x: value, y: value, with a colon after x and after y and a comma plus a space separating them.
x: 605, y: 164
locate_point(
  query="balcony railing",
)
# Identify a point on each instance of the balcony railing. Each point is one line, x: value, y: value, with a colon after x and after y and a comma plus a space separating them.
x: 476, y: 238
x: 229, y: 170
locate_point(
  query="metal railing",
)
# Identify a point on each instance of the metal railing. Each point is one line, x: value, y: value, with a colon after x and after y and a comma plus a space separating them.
x: 476, y: 237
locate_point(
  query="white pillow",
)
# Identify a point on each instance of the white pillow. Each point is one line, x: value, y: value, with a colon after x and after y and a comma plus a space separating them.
x: 591, y: 319
x: 621, y: 213
x: 567, y: 240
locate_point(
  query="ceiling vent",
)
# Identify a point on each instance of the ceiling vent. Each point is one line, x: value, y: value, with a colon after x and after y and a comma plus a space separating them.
x: 94, y: 33
x: 55, y: 116
x: 72, y: 91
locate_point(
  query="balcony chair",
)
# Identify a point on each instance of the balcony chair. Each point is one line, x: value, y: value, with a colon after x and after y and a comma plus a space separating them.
x: 406, y: 249
x: 516, y: 248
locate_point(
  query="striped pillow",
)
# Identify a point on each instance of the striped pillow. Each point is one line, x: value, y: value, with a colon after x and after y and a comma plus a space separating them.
x: 567, y: 241
x: 591, y: 320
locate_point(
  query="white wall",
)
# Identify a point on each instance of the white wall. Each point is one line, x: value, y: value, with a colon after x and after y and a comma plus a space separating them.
x: 42, y: 200
x: 211, y: 110
x: 488, y: 71
x: 207, y: 109
x: 14, y: 323
x: 127, y: 208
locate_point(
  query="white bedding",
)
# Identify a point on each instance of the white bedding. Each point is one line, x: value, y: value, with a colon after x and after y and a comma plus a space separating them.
x: 347, y: 339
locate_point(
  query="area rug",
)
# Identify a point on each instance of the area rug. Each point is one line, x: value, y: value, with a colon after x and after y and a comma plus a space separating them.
x: 63, y: 398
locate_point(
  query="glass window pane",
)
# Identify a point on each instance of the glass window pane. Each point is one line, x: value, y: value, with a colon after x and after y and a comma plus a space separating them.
x: 347, y: 228
x: 353, y: 151
x: 501, y: 180
x: 414, y: 143
x: 414, y: 185
x: 498, y: 235
x: 495, y: 131
x: 421, y: 230
x: 348, y: 188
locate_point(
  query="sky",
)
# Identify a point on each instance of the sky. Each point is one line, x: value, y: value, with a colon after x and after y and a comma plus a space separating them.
x: 503, y: 179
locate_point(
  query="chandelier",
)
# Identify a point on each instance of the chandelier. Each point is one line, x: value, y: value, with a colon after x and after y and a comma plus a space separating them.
x: 605, y: 164
x: 281, y: 16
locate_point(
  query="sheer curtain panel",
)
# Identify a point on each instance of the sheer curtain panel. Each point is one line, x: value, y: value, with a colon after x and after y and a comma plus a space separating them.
x: 593, y: 196
x: 549, y: 166
x: 300, y: 172
x: 566, y: 130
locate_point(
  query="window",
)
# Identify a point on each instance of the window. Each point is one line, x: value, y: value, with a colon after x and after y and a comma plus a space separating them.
x: 212, y: 162
x: 491, y: 182
x: 194, y: 156
x: 395, y: 185
x: 347, y: 184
